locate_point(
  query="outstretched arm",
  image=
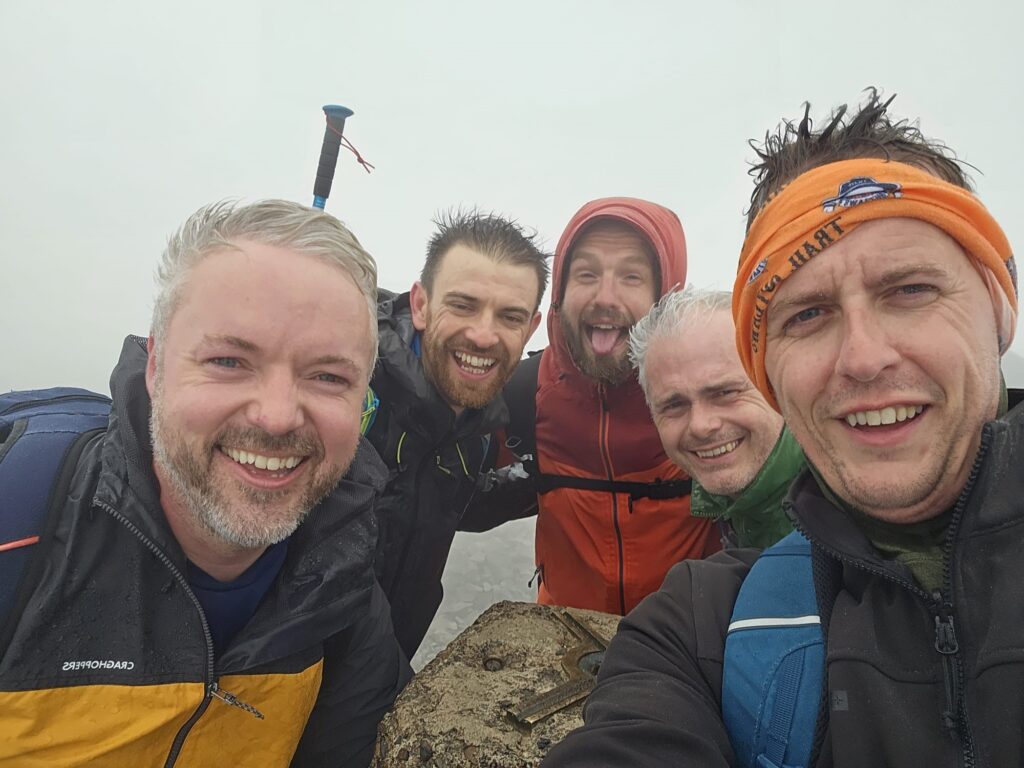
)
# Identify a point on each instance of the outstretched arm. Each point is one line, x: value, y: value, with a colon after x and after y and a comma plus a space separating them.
x: 658, y: 697
x: 503, y: 492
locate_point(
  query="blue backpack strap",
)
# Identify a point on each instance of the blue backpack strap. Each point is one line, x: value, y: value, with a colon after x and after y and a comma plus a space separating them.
x: 42, y: 432
x: 774, y: 660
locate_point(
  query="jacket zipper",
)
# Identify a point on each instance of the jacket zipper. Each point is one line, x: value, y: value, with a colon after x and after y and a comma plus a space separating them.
x: 953, y: 663
x: 607, y: 460
x: 211, y: 689
x: 941, y: 607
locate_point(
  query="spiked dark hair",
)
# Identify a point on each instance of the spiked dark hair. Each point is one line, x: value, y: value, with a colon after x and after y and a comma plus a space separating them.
x: 502, y: 240
x: 796, y: 148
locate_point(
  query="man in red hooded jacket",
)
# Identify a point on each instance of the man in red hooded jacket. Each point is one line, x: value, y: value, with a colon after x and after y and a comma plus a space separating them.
x: 613, y: 510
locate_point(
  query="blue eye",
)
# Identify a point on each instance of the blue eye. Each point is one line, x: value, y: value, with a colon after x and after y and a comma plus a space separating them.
x: 332, y: 379
x: 225, y: 362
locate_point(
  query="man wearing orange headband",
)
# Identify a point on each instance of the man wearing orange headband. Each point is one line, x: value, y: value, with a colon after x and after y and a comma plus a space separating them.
x: 874, y: 298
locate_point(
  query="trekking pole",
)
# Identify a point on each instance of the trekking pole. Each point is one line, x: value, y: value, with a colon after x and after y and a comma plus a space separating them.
x: 336, y: 115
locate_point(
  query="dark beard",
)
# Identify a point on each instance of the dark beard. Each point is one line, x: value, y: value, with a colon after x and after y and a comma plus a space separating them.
x: 606, y: 369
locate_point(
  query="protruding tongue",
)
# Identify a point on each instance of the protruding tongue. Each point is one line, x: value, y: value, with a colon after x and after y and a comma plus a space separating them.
x: 603, y: 341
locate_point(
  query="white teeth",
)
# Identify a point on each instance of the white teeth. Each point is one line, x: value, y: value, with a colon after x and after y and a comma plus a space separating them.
x: 481, y: 364
x: 270, y: 463
x: 727, y: 448
x: 888, y: 415
x: 607, y: 327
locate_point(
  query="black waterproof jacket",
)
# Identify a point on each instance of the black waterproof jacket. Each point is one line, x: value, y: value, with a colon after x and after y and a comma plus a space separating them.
x: 433, y: 458
x: 107, y: 658
x: 913, y: 679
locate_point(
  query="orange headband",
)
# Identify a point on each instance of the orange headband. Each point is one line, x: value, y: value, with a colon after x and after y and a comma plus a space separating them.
x: 824, y: 205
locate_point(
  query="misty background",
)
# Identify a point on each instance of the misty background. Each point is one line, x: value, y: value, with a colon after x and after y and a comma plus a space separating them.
x: 121, y: 118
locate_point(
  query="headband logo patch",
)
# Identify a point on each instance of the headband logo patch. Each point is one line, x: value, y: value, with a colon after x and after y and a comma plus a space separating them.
x: 861, y: 189
x: 757, y: 270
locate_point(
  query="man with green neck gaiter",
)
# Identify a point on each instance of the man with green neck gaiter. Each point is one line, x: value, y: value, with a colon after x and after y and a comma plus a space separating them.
x: 712, y: 421
x: 874, y: 298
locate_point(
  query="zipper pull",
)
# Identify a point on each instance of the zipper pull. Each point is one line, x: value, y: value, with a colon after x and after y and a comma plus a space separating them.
x: 229, y: 698
x: 947, y: 645
x: 538, y: 575
x: 945, y: 636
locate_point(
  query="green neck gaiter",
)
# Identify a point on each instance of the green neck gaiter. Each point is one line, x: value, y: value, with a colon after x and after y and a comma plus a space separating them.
x: 756, y: 514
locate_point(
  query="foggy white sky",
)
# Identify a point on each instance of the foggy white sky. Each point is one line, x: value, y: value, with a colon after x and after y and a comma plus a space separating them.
x: 121, y: 118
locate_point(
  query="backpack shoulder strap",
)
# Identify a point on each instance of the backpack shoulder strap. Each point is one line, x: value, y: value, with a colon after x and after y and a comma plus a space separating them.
x: 774, y: 660
x: 521, y: 397
x: 42, y: 433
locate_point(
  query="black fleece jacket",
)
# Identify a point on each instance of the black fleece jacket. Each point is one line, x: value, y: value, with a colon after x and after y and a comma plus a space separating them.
x: 903, y: 703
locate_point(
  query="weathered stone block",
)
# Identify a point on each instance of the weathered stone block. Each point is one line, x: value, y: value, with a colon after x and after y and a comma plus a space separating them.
x: 455, y: 712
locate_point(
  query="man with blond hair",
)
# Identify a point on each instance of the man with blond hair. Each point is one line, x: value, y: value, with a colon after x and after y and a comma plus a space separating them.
x: 874, y: 298
x: 200, y: 587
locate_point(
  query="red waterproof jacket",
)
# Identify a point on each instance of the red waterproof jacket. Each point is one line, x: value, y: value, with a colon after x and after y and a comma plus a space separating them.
x: 595, y: 549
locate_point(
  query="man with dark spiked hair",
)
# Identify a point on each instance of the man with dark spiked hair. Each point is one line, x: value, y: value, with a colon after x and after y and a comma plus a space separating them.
x: 447, y: 347
x: 874, y: 297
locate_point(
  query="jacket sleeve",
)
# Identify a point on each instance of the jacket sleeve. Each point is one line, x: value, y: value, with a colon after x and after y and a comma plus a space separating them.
x: 659, y: 691
x: 364, y: 671
x: 505, y: 498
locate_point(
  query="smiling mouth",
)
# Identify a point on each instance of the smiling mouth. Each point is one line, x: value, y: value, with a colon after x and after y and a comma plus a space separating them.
x: 474, y: 364
x: 720, y: 450
x: 884, y: 416
x: 282, y: 465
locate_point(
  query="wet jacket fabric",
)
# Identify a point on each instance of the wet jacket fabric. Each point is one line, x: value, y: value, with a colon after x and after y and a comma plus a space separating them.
x: 756, y: 516
x: 433, y: 459
x: 595, y: 549
x: 107, y: 657
x: 912, y: 679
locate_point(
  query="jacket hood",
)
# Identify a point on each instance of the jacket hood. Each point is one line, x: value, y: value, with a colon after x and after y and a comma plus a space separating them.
x: 659, y: 225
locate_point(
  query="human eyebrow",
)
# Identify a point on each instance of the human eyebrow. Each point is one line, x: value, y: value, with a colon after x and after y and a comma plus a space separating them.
x: 236, y: 342
x: 337, y: 360
x: 459, y: 296
x: 906, y: 272
x: 669, y: 401
x: 720, y: 386
x: 636, y: 259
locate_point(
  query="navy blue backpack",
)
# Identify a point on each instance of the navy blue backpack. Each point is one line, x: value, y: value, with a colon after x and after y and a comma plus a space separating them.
x: 42, y: 433
x: 774, y: 660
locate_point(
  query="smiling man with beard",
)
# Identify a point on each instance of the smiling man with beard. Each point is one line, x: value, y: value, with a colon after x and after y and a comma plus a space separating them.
x: 613, y: 510
x: 202, y: 591
x: 446, y: 349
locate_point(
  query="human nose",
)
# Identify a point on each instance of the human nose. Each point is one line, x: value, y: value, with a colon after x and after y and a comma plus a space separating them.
x: 606, y: 295
x: 866, y: 349
x: 704, y: 420
x: 275, y: 407
x: 482, y: 332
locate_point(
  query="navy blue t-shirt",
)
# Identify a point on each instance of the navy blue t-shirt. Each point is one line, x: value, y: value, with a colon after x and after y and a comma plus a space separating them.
x: 229, y: 605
